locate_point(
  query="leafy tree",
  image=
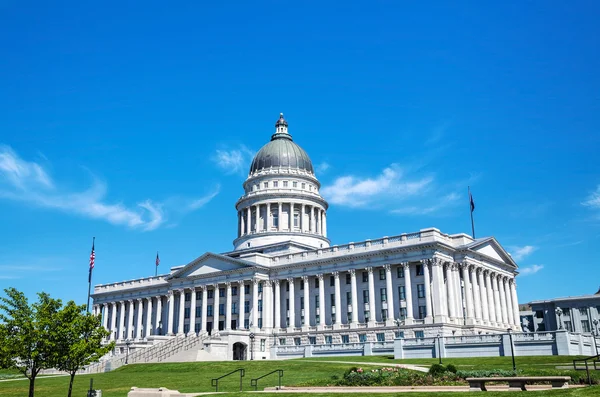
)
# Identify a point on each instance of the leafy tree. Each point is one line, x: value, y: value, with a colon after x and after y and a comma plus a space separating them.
x: 79, y: 339
x: 27, y: 334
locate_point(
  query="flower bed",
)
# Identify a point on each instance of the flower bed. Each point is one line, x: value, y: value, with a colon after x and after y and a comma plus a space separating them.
x: 396, y: 376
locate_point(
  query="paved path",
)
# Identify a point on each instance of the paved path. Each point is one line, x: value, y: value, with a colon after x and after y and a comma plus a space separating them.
x: 387, y: 365
x: 38, y: 377
x: 396, y: 389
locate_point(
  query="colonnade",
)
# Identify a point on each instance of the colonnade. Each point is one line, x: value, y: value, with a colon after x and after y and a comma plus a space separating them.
x: 266, y: 217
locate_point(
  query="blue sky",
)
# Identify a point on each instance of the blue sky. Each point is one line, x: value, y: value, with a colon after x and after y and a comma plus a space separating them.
x: 136, y: 124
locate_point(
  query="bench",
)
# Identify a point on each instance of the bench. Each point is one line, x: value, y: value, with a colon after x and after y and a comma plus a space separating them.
x: 518, y: 382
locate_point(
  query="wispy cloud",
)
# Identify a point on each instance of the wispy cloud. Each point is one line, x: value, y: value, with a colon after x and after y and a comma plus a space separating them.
x: 593, y: 200
x: 29, y: 182
x: 519, y: 253
x: 323, y: 167
x: 442, y: 203
x: 526, y: 271
x: 233, y: 161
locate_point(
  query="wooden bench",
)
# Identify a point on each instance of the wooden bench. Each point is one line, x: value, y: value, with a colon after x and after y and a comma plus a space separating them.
x: 518, y: 382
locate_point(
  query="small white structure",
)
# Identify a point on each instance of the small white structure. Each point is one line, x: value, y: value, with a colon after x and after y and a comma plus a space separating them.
x: 284, y: 284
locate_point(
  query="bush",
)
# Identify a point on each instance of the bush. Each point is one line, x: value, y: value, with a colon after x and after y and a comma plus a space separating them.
x: 437, y: 370
x: 486, y: 373
x: 394, y: 376
x: 451, y: 368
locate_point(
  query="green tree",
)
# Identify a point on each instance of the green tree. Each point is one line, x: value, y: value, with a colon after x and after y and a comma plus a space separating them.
x: 79, y: 339
x: 27, y: 334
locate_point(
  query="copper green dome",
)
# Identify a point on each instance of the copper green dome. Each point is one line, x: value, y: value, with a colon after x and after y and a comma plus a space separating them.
x: 281, y: 152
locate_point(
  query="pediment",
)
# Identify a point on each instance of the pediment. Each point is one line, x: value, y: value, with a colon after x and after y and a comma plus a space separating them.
x: 492, y: 249
x: 210, y: 263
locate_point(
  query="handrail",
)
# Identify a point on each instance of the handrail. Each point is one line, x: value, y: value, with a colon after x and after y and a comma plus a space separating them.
x: 254, y: 382
x: 215, y: 382
x: 585, y: 360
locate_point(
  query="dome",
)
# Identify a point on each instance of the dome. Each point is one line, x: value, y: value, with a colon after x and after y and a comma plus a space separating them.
x: 281, y: 152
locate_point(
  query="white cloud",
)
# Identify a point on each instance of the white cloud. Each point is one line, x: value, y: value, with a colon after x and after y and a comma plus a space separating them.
x: 533, y: 269
x: 519, y: 253
x: 28, y: 182
x: 593, y: 200
x: 323, y: 167
x: 233, y: 161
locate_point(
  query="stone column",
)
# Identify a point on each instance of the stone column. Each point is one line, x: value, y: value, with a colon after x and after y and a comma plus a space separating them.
x: 515, y: 302
x: 461, y: 310
x: 467, y: 291
x: 248, y: 220
x: 130, y: 328
x: 485, y: 311
x: 239, y: 224
x: 139, y: 315
x: 490, y: 296
x: 170, y: 328
x: 324, y: 224
x: 306, y: 301
x: 216, y: 312
x: 408, y: 292
x: 268, y: 217
x: 228, y: 306
x: 497, y: 305
x: 158, y: 326
x: 242, y: 223
x: 440, y: 311
x: 181, y: 312
x: 277, y: 304
x: 122, y: 329
x: 242, y: 304
x: 427, y: 281
x: 312, y: 219
x: 291, y: 217
x: 476, y: 297
x: 279, y: 217
x: 192, y: 330
x: 320, y: 221
x: 372, y: 309
x: 322, y: 322
x: 113, y: 321
x: 390, y: 294
x: 302, y: 221
x: 291, y: 297
x: 257, y: 220
x: 254, y: 321
x: 355, y: 299
x: 508, y: 299
x: 500, y: 282
x: 450, y: 289
x: 268, y: 305
x: 337, y: 299
x: 204, y: 319
x: 148, y: 327
x: 105, y: 316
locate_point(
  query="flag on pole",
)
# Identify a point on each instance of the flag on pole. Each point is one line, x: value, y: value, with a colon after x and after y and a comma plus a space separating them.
x: 92, y: 259
x: 157, y: 260
x: 472, y: 202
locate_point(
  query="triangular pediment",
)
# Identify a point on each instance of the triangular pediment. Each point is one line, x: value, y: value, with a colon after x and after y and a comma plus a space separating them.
x: 490, y: 248
x: 210, y: 263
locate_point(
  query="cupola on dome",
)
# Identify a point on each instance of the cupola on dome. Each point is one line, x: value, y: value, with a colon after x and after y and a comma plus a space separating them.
x: 281, y: 152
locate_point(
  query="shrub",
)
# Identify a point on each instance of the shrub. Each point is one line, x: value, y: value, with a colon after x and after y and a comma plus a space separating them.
x: 437, y: 370
x: 486, y: 373
x: 451, y: 368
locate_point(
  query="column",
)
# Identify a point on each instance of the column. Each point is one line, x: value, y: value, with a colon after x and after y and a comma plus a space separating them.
x: 321, y: 301
x: 502, y: 299
x: 475, y: 291
x: 372, y: 310
x: 490, y: 296
x: 485, y: 315
x: 268, y: 218
x: 242, y: 223
x: 148, y: 324
x: 204, y: 320
x: 257, y: 218
x: 278, y: 304
x: 279, y: 217
x: 113, y: 321
x: 248, y: 221
x: 427, y: 281
x: 254, y: 322
x: 216, y: 312
x: 324, y: 224
x: 312, y: 219
x: 242, y: 304
x: 440, y: 311
x: 291, y: 296
x: 515, y: 303
x: 105, y: 316
x: 130, y: 331
x: 192, y: 330
x: 170, y: 310
x: 302, y: 221
x: 450, y: 288
x: 390, y: 293
x: 139, y: 315
x: 467, y: 291
x: 291, y: 217
x: 122, y: 329
x: 158, y: 326
x: 461, y: 310
x: 239, y: 224
x: 508, y: 299
x: 408, y: 292
x: 306, y: 301
x: 497, y: 305
x: 228, y: 306
x: 338, y: 300
x: 181, y: 311
x: 268, y: 305
x: 355, y: 298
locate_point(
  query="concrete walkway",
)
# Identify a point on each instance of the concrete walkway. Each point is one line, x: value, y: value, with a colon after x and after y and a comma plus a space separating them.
x: 38, y: 377
x: 396, y: 389
x: 386, y: 365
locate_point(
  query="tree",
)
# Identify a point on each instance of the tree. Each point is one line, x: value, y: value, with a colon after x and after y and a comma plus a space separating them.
x: 79, y: 339
x: 27, y: 334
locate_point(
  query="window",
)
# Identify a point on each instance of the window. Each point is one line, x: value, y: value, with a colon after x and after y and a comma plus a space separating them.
x: 266, y: 185
x: 287, y: 287
x: 367, y: 315
x: 262, y: 345
x: 209, y: 310
x: 303, y: 185
x: 246, y: 289
x: 246, y: 306
x: 188, y: 297
x: 275, y: 183
x: 421, y: 290
x: 422, y: 312
x: 186, y: 312
x: 345, y: 338
x: 282, y: 341
x: 260, y: 287
x: 399, y: 334
x: 328, y: 340
x: 297, y: 341
x: 380, y: 337
x: 384, y: 314
x: 585, y: 326
x: 316, y: 282
x: 197, y: 327
x: 198, y: 312
x: 402, y: 313
x: 234, y: 308
x: 583, y: 312
x: 233, y: 324
x: 331, y: 281
x: 348, y: 278
x: 365, y: 277
x: 234, y: 291
x: 287, y: 304
x: 302, y: 286
x: 312, y: 340
x: 362, y: 338
x: 221, y: 309
x: 260, y: 322
x: 221, y: 325
x: 382, y: 274
x: 310, y: 187
x: 275, y: 216
x: 186, y: 328
x: 198, y: 297
x: 567, y: 312
x: 301, y: 303
x: 419, y: 270
x: 348, y: 298
x: 419, y: 334
x: 400, y: 271
x: 294, y: 184
x: 211, y: 293
x: 221, y: 292
x: 568, y: 326
x: 247, y: 323
x: 285, y: 183
x: 365, y: 296
x: 296, y: 219
x: 332, y: 300
x: 402, y: 292
x: 383, y: 294
x: 260, y: 306
x: 317, y: 301
x: 539, y: 314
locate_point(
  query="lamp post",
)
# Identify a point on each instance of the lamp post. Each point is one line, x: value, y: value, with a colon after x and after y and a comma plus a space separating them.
x: 439, y: 347
x: 512, y: 349
x: 559, y: 314
x: 251, y: 345
x: 127, y: 343
x: 398, y: 323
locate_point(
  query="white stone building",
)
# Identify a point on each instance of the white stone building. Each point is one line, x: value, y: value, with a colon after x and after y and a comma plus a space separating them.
x: 285, y: 284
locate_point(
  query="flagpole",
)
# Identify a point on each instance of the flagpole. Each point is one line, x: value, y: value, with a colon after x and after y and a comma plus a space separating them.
x: 90, y: 278
x: 156, y: 265
x: 471, y: 208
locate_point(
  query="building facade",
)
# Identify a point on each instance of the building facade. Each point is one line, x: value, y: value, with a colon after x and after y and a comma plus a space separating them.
x: 286, y: 284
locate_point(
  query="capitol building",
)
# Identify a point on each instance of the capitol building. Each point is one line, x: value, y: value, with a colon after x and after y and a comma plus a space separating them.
x: 286, y: 284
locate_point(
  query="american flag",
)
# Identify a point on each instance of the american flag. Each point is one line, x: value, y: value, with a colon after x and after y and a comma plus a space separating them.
x: 92, y: 259
x: 157, y: 259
